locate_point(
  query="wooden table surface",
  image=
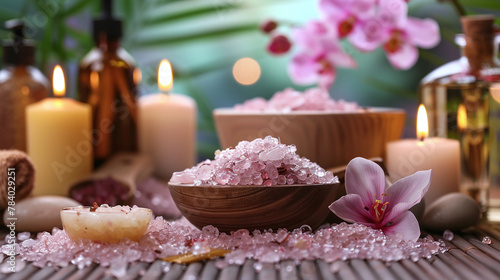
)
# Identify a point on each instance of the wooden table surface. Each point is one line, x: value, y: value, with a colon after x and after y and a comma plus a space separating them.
x: 468, y: 258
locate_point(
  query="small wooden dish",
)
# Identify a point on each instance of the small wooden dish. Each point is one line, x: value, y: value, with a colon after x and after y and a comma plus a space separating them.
x: 230, y: 208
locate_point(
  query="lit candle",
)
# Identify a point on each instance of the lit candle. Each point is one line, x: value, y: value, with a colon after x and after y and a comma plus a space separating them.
x: 167, y: 127
x: 407, y: 156
x: 56, y: 140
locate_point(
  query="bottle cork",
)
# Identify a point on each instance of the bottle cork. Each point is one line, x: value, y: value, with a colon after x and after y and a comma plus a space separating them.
x: 479, y: 33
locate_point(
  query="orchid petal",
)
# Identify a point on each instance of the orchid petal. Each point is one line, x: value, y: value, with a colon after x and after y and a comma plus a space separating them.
x: 410, y: 189
x: 303, y: 69
x: 404, y: 58
x: 342, y: 59
x: 367, y: 36
x: 393, y: 212
x: 393, y: 13
x: 423, y: 32
x: 406, y: 225
x: 350, y: 208
x: 365, y: 178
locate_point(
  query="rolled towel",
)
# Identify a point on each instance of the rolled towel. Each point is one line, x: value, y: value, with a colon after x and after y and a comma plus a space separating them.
x: 24, y: 175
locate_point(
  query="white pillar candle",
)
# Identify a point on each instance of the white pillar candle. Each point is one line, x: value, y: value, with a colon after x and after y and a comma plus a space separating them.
x: 56, y: 140
x: 167, y: 127
x: 407, y: 156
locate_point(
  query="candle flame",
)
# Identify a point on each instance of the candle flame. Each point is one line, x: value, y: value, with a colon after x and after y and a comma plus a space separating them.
x: 461, y: 117
x: 422, y: 123
x: 58, y: 83
x: 165, y: 77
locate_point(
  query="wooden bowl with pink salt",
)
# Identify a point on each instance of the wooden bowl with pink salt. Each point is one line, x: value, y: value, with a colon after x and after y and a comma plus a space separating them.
x: 262, y: 184
x: 104, y: 223
x: 326, y: 131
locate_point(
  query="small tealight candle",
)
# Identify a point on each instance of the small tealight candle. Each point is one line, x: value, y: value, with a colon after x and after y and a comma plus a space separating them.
x: 407, y: 156
x: 167, y: 127
x: 57, y: 130
x: 104, y: 223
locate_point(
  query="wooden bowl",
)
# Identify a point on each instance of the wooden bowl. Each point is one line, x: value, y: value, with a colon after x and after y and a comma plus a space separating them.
x: 327, y: 138
x: 230, y: 208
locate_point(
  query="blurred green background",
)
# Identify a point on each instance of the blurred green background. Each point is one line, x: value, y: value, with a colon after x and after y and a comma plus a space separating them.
x: 204, y: 38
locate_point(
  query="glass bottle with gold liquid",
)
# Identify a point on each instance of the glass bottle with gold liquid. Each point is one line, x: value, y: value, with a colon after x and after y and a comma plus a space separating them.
x: 20, y: 85
x: 106, y: 82
x: 459, y: 105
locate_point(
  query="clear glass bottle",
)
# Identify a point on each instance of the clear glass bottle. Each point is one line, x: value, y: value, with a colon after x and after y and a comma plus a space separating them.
x: 20, y: 85
x: 106, y: 82
x: 459, y: 103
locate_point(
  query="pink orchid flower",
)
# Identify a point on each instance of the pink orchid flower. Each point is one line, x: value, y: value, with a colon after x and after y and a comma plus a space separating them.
x: 399, y: 34
x: 347, y: 15
x: 318, y: 55
x: 370, y: 203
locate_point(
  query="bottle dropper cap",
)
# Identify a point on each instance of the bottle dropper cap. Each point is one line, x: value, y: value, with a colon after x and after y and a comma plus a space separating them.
x: 19, y: 50
x: 107, y: 25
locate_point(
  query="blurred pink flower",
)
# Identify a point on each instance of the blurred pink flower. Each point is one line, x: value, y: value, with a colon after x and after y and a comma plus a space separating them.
x: 370, y: 203
x: 398, y: 34
x: 318, y: 55
x: 347, y: 15
x: 367, y: 25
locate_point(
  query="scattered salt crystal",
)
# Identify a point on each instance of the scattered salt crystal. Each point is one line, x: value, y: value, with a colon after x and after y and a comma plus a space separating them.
x: 23, y: 236
x: 486, y: 240
x: 163, y: 239
x: 264, y: 162
x: 316, y: 99
x: 448, y: 235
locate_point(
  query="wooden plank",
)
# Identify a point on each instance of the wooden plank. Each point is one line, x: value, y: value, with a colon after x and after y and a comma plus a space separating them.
x: 361, y: 268
x: 308, y: 270
x: 400, y: 272
x: 209, y: 271
x: 229, y: 273
x: 414, y: 269
x: 474, y: 252
x: 63, y: 273
x: 23, y: 274
x: 155, y: 270
x: 345, y: 271
x: 288, y: 271
x: 268, y: 272
x: 381, y: 270
x: 174, y: 273
x: 430, y: 270
x: 247, y: 271
x: 487, y: 249
x: 443, y: 268
x: 82, y: 273
x: 192, y: 271
x: 325, y: 271
x: 96, y: 274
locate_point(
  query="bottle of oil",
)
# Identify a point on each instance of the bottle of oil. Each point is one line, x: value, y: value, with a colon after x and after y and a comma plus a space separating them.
x: 20, y: 85
x: 106, y: 82
x: 459, y: 105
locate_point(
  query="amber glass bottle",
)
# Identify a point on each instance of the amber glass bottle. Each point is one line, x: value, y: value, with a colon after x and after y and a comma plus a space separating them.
x: 459, y: 104
x: 20, y: 85
x: 106, y: 82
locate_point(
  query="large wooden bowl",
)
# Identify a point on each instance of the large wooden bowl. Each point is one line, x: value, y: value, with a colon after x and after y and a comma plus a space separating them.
x: 329, y: 139
x: 230, y: 208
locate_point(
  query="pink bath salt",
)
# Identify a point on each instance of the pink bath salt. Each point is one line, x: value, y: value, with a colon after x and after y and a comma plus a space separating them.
x: 261, y: 162
x: 313, y: 99
x: 164, y: 239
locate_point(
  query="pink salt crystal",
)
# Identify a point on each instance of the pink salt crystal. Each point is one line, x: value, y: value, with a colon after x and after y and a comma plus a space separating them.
x: 162, y: 239
x: 316, y: 99
x: 486, y: 240
x: 448, y: 235
x: 265, y: 158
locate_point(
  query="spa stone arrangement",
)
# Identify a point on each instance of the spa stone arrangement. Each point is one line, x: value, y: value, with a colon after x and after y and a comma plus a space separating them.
x: 113, y: 179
